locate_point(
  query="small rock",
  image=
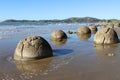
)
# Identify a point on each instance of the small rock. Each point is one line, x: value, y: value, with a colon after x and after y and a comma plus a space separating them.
x: 70, y: 32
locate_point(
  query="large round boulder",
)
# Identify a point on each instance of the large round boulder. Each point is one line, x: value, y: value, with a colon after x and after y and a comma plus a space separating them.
x: 31, y: 48
x: 93, y: 28
x: 106, y: 36
x: 84, y: 30
x: 58, y: 34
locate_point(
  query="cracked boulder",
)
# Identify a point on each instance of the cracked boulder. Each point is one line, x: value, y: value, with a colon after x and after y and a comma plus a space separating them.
x: 106, y: 36
x: 84, y: 30
x: 32, y: 48
x: 58, y: 34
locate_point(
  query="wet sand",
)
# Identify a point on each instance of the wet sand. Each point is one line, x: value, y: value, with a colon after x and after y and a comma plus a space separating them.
x: 77, y: 59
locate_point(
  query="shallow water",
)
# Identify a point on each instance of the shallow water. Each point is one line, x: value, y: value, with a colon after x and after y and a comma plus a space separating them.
x: 77, y: 59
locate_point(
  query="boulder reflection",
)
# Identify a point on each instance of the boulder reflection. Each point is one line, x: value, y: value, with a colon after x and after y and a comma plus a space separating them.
x: 36, y: 66
x: 106, y: 50
x: 104, y: 47
x: 59, y: 42
x: 83, y: 37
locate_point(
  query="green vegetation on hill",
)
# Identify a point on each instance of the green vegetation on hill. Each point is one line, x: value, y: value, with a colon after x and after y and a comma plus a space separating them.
x: 69, y: 20
x: 82, y: 20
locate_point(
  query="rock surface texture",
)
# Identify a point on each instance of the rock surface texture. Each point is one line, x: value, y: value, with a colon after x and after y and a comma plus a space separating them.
x: 58, y: 34
x: 34, y: 47
x: 106, y: 36
x: 84, y: 30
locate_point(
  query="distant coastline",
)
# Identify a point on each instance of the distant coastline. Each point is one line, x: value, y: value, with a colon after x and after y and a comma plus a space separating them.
x: 68, y: 20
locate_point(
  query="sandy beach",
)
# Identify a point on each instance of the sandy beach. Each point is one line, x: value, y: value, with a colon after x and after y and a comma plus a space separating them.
x: 77, y: 59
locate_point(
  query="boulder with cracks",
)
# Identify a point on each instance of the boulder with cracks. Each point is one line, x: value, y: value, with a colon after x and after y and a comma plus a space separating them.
x: 34, y: 47
x: 106, y: 36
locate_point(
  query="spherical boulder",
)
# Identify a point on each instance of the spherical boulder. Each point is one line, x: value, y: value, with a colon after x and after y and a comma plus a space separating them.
x: 93, y: 29
x: 32, y: 48
x: 106, y: 36
x: 58, y: 34
x: 84, y: 30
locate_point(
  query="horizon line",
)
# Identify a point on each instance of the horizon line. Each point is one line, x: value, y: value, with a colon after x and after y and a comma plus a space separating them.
x: 56, y: 19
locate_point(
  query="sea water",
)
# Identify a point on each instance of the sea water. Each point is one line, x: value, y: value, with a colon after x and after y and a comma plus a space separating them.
x: 17, y: 29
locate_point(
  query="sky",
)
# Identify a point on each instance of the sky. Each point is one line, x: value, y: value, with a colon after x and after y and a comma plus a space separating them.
x: 59, y: 9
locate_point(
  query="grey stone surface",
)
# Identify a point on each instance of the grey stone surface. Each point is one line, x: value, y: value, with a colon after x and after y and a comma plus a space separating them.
x: 106, y: 36
x: 58, y: 34
x: 83, y: 30
x: 34, y: 47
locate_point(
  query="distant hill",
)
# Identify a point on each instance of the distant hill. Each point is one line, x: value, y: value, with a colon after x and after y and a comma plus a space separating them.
x: 82, y: 20
x: 69, y: 20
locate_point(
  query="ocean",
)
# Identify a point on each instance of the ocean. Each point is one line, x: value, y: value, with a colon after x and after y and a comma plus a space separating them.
x: 17, y: 29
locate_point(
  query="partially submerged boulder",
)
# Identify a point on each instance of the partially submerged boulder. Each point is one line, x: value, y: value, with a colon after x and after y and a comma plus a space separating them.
x: 31, y: 48
x: 58, y: 34
x: 84, y: 30
x: 106, y: 36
